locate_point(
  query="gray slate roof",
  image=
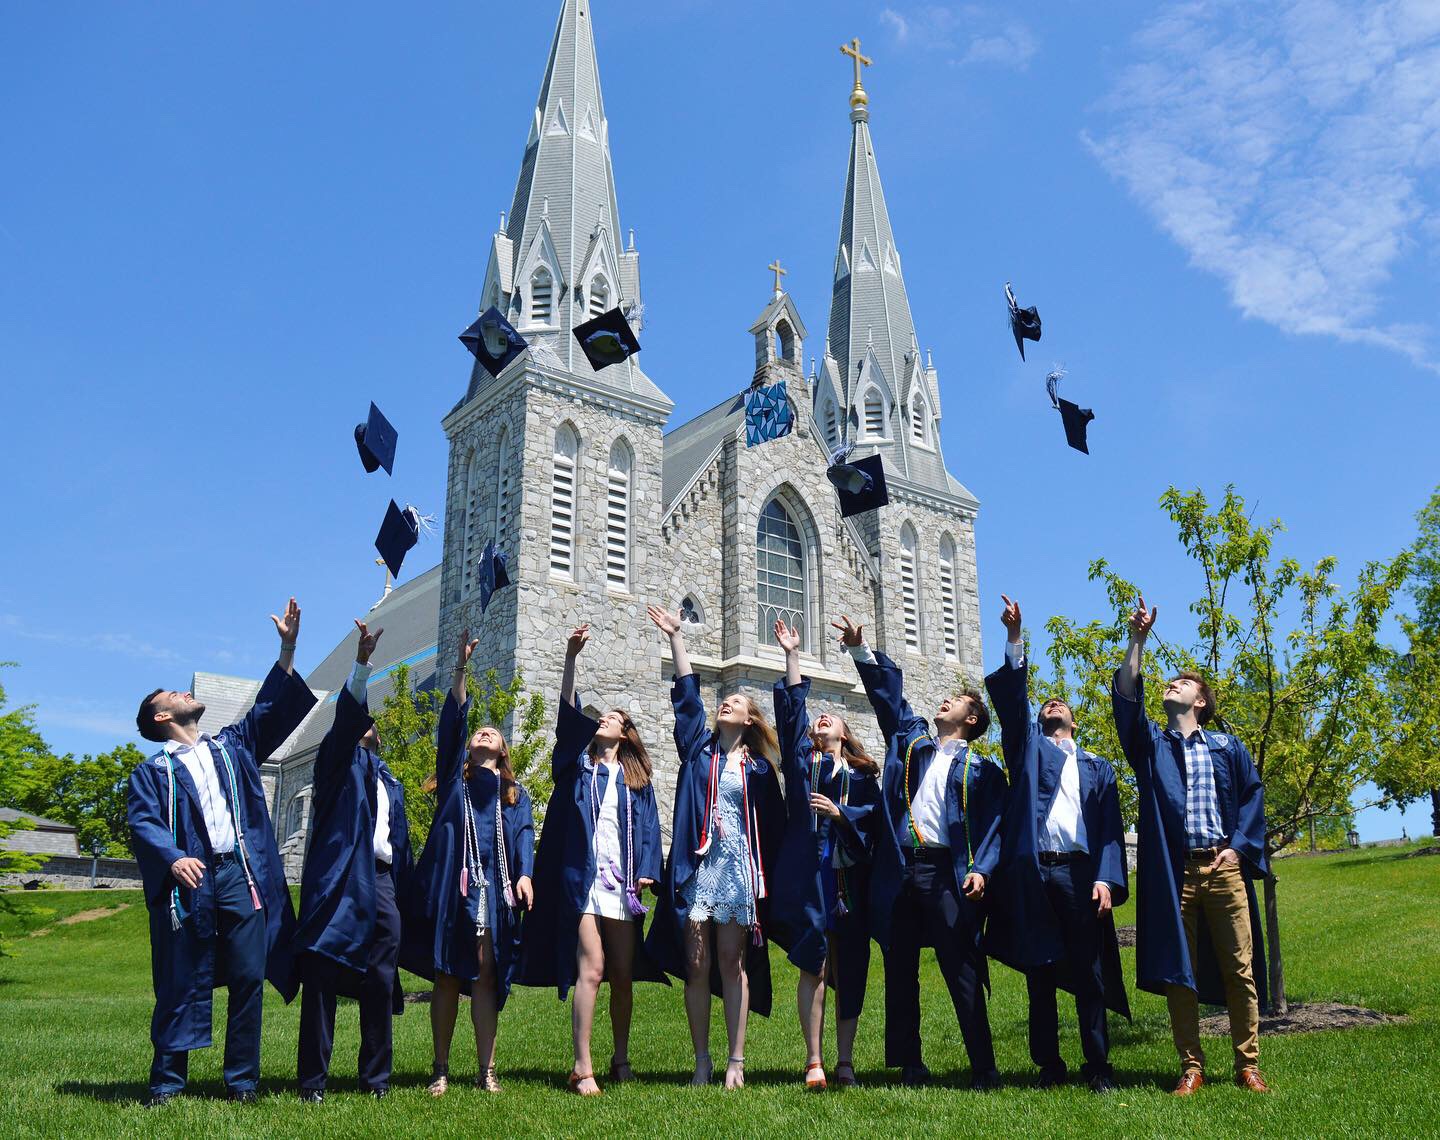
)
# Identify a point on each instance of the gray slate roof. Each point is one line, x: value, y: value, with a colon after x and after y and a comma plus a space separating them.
x: 690, y: 445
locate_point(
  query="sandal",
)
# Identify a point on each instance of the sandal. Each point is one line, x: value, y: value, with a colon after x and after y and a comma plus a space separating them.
x: 735, y: 1061
x: 486, y: 1081
x: 574, y: 1079
x: 439, y: 1080
x: 845, y: 1076
x: 620, y: 1072
x: 704, y: 1070
x: 818, y: 1084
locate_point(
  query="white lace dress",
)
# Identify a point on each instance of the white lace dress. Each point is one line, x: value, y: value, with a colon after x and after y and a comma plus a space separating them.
x: 720, y: 889
x: 607, y: 891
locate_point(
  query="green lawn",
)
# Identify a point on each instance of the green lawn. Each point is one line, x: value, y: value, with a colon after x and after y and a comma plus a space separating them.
x: 1361, y: 928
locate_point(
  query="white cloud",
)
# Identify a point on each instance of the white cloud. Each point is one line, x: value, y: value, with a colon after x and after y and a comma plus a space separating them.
x: 970, y: 33
x: 121, y: 643
x: 80, y: 715
x: 1292, y: 151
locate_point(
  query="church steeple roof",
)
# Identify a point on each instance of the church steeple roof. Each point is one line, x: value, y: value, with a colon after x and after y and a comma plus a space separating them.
x: 563, y: 228
x: 872, y: 348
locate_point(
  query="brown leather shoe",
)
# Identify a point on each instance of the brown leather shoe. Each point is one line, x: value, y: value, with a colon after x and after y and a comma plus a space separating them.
x: 1190, y: 1080
x: 1251, y: 1080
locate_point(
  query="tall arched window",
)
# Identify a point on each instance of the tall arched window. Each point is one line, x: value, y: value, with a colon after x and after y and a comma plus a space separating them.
x: 617, y: 517
x: 295, y: 814
x: 471, y: 541
x: 948, y: 615
x: 503, y: 483
x: 542, y: 296
x: 909, y: 589
x: 919, y: 420
x: 599, y: 295
x: 874, y: 413
x: 562, y: 503
x: 780, y: 573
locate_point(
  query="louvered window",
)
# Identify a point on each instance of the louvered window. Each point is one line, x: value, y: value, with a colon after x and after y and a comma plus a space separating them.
x: 874, y: 414
x: 617, y: 518
x: 917, y: 420
x: 949, y: 619
x: 832, y: 424
x: 542, y: 294
x: 599, y: 296
x: 909, y: 590
x: 562, y: 504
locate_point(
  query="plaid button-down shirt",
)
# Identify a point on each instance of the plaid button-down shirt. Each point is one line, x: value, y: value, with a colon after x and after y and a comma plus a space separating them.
x: 1202, y: 807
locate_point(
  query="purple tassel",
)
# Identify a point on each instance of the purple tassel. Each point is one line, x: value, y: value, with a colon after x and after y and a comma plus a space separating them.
x: 464, y: 882
x: 632, y: 900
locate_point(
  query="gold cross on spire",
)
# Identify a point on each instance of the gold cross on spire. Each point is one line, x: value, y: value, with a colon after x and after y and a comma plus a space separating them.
x: 858, y: 98
x: 774, y: 268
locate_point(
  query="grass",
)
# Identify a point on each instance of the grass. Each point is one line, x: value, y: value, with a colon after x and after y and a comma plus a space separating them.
x: 1362, y: 928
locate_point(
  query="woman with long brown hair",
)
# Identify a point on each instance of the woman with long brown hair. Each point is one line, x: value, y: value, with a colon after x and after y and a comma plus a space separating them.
x: 822, y: 877
x: 463, y: 922
x: 729, y: 816
x: 599, y: 849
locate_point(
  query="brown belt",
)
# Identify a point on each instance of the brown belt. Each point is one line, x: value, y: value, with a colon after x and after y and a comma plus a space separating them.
x: 1202, y: 854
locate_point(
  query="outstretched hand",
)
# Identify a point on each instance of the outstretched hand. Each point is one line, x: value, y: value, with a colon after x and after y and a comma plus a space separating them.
x: 288, y: 625
x: 467, y: 647
x: 787, y: 637
x: 1142, y: 621
x: 368, y: 642
x: 850, y: 635
x: 665, y: 621
x: 577, y: 640
x: 1010, y: 618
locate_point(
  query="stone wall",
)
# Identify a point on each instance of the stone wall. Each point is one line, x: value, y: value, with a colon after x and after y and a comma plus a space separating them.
x: 73, y: 873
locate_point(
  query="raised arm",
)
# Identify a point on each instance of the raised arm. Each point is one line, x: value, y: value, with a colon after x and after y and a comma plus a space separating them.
x: 685, y: 692
x: 450, y: 736
x: 792, y: 723
x: 669, y: 624
x: 884, y: 685
x: 288, y: 627
x: 1008, y: 690
x: 464, y: 652
x: 1127, y: 698
x: 1142, y: 621
x: 352, y: 713
x: 576, y: 642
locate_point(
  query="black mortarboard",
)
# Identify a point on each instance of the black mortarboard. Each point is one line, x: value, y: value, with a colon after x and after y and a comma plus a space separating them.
x: 1076, y: 418
x: 859, y: 483
x: 494, y: 341
x: 607, y: 339
x: 492, y: 575
x: 767, y: 413
x: 1024, y: 323
x: 375, y: 439
x: 398, y: 534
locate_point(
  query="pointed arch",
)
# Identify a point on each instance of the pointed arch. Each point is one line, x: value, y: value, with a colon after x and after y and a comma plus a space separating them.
x: 918, y: 419
x: 786, y: 561
x: 565, y: 464
x: 910, y: 588
x: 617, y: 515
x: 599, y: 295
x: 949, y: 612
x: 541, y: 297
x: 874, y: 412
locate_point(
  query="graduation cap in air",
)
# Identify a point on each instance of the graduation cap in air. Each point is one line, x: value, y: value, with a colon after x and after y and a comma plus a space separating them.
x: 1075, y: 418
x: 767, y: 413
x: 859, y: 483
x: 492, y: 574
x: 1024, y: 323
x: 607, y: 340
x: 375, y: 439
x: 399, y: 533
x: 493, y: 340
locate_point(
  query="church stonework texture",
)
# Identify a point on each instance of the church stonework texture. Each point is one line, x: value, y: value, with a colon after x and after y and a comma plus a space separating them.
x: 602, y: 511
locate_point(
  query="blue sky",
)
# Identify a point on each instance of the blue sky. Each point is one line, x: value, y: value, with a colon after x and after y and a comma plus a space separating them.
x: 225, y: 229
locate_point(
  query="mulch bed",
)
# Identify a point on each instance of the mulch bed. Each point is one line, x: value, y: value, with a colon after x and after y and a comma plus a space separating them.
x: 1433, y: 849
x: 1308, y: 1017
x: 1125, y: 935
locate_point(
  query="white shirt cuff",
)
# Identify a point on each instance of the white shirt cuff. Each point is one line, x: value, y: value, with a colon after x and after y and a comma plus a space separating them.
x: 359, y: 678
x: 1015, y: 654
x: 862, y: 653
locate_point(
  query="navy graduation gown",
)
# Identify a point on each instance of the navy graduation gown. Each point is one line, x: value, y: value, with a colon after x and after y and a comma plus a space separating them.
x: 565, y: 857
x: 183, y: 1001
x: 439, y: 931
x: 974, y: 842
x: 1162, y: 956
x: 799, y: 910
x: 337, y: 886
x: 694, y: 744
x: 1023, y: 932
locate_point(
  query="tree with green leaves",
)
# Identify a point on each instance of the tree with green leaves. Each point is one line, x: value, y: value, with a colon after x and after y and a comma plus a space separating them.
x: 1312, y: 702
x: 407, y: 721
x: 22, y: 752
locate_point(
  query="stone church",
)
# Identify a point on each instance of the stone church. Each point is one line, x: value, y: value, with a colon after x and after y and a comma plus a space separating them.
x: 603, y: 507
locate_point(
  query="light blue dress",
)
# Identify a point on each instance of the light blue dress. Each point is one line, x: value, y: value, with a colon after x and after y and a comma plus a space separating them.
x: 720, y: 889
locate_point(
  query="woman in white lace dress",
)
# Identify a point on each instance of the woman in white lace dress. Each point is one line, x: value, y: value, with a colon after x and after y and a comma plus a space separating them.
x: 729, y: 817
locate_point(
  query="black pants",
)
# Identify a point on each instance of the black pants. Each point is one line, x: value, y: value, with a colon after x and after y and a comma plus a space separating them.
x: 1068, y: 887
x: 240, y: 942
x: 376, y: 992
x: 929, y: 910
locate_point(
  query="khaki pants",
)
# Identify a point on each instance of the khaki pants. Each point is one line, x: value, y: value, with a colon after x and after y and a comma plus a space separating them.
x: 1220, y: 897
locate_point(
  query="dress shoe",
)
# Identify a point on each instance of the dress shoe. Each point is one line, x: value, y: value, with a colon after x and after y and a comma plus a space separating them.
x: 1102, y: 1083
x: 160, y: 1099
x: 1190, y: 1080
x: 986, y: 1082
x: 378, y: 1094
x: 243, y: 1096
x: 915, y: 1076
x: 312, y: 1096
x: 1251, y: 1080
x: 1052, y: 1077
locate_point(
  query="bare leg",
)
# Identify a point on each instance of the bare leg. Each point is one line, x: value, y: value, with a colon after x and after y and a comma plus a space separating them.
x: 697, y: 995
x: 482, y: 1006
x: 589, y: 969
x: 731, y: 939
x: 810, y: 998
x: 444, y: 1005
x: 619, y: 939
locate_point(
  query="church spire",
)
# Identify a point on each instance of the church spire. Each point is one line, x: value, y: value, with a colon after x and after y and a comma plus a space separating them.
x: 560, y: 258
x: 874, y: 355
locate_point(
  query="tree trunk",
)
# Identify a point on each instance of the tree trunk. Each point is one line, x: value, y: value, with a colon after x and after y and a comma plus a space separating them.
x: 1435, y: 812
x: 1276, y: 966
x: 1312, y: 834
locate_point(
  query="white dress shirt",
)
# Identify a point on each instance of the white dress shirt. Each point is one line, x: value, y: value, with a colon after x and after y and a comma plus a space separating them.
x: 359, y: 679
x: 1064, y: 827
x: 199, y: 761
